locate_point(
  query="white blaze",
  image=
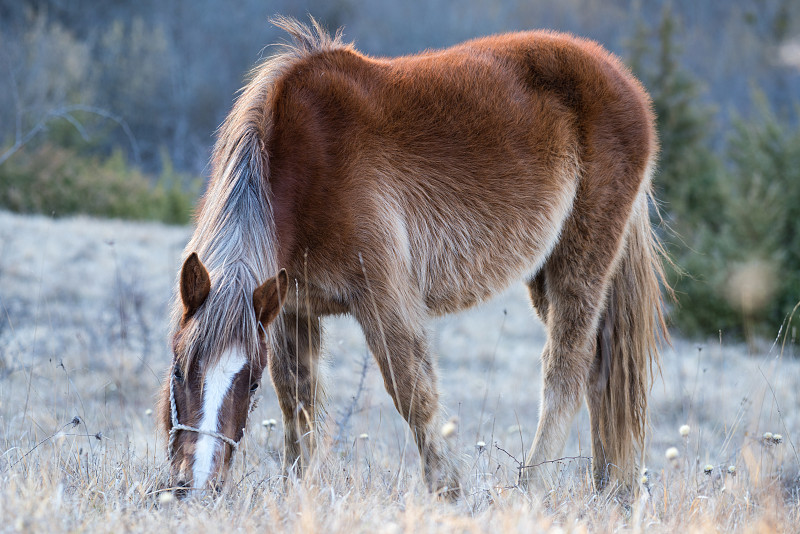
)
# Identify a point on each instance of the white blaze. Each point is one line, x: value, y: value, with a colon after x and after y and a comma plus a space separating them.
x: 217, y: 383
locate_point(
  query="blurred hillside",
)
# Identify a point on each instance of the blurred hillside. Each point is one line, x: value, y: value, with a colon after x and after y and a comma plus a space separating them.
x: 170, y: 69
x: 121, y: 99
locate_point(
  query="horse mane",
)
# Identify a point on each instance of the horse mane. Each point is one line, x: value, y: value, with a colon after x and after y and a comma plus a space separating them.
x: 235, y: 234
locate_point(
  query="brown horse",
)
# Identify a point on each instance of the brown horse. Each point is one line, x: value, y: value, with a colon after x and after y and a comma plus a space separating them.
x: 398, y: 189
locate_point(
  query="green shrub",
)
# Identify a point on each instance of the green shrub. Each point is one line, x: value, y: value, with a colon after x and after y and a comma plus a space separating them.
x: 58, y: 181
x: 744, y: 264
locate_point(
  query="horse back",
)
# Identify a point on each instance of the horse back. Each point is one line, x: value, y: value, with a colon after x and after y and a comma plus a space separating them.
x: 454, y: 168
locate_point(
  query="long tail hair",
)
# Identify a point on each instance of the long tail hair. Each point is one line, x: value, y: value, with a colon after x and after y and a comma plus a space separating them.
x: 629, y: 337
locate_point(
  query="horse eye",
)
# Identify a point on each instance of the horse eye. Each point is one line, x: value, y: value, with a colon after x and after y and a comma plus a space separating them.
x: 254, y: 387
x: 178, y: 374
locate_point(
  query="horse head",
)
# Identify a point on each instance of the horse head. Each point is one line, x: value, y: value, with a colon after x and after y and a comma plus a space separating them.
x: 210, y: 386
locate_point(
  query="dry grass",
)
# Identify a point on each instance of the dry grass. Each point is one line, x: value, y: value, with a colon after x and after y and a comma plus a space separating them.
x: 83, y: 328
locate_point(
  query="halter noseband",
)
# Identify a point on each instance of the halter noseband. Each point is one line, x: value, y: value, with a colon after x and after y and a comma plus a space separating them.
x: 178, y: 426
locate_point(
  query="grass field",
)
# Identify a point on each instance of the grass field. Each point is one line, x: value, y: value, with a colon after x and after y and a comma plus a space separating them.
x: 83, y: 347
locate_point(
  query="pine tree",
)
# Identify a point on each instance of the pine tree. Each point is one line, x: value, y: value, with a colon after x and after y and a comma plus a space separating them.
x: 688, y: 169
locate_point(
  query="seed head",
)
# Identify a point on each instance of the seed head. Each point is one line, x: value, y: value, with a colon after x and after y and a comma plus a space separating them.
x: 672, y: 453
x: 777, y: 438
x: 708, y: 469
x: 767, y: 436
x: 269, y: 423
x: 364, y: 436
x: 166, y: 497
x: 449, y: 429
x: 644, y: 480
x: 481, y: 445
x: 684, y: 430
x: 148, y: 412
x: 732, y: 470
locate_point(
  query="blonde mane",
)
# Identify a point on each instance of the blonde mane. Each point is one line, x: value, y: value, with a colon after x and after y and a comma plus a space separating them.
x: 235, y: 234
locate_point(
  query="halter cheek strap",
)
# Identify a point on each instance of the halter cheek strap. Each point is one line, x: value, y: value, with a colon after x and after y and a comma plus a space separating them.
x: 178, y: 426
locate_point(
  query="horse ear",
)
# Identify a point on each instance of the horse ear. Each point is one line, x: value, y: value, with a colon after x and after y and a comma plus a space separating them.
x: 268, y: 298
x: 195, y: 284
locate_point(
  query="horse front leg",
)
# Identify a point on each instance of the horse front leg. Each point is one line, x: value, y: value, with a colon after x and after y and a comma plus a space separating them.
x: 397, y: 339
x: 294, y: 369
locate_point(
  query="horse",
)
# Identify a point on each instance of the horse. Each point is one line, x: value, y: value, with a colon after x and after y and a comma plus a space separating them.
x: 399, y: 189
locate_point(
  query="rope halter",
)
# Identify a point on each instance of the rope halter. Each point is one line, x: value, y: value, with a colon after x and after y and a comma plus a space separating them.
x: 176, y: 425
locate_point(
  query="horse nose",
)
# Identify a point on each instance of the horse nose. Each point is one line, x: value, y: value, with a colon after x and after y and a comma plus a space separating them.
x: 181, y: 489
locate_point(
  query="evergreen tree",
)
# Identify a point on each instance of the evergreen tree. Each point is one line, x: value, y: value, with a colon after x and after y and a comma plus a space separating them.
x: 735, y: 226
x: 688, y: 168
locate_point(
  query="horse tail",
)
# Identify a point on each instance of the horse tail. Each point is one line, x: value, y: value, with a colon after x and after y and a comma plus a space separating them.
x: 629, y: 336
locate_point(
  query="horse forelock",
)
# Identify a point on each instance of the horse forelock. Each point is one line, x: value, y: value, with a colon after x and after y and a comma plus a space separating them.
x: 235, y: 236
x: 225, y: 320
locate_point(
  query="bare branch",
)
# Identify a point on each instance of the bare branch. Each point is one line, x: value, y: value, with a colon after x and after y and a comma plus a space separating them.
x: 17, y: 100
x: 115, y: 118
x: 65, y: 112
x: 77, y: 125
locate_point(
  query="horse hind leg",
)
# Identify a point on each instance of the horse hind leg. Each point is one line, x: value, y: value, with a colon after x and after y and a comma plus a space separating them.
x: 570, y: 293
x: 598, y: 372
x: 294, y: 372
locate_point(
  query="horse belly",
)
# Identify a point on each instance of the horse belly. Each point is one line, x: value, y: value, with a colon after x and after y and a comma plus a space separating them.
x: 471, y: 257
